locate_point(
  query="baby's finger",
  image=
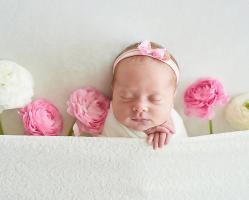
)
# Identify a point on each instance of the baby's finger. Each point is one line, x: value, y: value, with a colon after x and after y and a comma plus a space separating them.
x: 155, y: 141
x: 169, y: 127
x: 172, y: 130
x: 162, y: 139
x: 151, y: 130
x: 167, y: 139
x: 163, y: 129
x: 157, y: 129
x: 150, y: 138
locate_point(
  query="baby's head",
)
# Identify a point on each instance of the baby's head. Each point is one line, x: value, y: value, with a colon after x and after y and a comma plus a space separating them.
x: 144, y: 85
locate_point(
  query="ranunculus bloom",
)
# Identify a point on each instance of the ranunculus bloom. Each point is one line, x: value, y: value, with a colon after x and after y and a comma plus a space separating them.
x: 89, y: 106
x: 202, y: 96
x: 237, y: 112
x: 41, y: 117
x: 16, y: 85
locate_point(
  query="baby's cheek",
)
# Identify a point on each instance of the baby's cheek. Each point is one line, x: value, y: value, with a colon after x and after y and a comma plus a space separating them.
x: 161, y: 114
x: 121, y: 111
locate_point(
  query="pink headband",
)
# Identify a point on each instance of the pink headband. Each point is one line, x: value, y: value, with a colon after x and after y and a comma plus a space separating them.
x: 144, y: 48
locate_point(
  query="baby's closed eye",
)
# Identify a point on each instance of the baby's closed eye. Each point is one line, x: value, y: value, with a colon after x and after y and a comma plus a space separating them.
x: 127, y: 97
x: 156, y: 98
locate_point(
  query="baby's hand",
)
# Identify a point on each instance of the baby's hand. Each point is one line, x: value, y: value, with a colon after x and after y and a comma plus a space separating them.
x: 160, y: 135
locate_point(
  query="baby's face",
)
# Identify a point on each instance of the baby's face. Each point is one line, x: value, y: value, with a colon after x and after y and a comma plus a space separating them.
x: 143, y: 92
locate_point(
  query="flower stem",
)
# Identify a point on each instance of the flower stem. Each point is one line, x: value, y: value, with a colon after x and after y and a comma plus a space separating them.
x: 70, y: 133
x: 1, y: 128
x: 210, y: 125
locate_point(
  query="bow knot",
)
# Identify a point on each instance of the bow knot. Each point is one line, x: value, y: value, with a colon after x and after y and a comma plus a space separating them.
x: 158, y: 53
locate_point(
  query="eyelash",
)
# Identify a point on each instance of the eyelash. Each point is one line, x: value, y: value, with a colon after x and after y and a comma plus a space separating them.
x: 127, y: 98
x: 156, y: 100
x: 132, y: 98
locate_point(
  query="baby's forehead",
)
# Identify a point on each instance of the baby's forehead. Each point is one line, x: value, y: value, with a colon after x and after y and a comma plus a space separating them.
x: 141, y: 62
x: 142, y: 59
x: 123, y: 88
x: 141, y: 84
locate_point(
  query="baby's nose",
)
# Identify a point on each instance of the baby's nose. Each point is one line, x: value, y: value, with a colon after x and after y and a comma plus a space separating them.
x: 140, y: 108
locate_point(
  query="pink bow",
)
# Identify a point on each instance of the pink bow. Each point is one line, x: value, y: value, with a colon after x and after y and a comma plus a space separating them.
x: 145, y: 49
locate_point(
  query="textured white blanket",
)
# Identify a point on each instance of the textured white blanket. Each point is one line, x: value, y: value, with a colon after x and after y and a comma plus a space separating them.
x: 204, y: 167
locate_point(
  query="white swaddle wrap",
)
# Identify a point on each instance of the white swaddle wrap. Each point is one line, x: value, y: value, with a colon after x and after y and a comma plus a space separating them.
x: 113, y: 128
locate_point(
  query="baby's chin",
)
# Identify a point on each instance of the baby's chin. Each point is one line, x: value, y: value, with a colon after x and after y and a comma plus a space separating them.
x: 138, y: 126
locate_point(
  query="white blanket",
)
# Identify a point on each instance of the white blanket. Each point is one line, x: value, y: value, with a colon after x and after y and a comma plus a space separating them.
x: 72, y: 168
x: 113, y: 128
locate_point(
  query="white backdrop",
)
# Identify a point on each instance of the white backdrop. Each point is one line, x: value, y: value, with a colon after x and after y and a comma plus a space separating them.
x: 70, y: 44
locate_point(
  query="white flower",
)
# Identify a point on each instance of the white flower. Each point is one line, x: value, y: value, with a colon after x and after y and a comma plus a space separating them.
x: 16, y: 85
x: 237, y: 112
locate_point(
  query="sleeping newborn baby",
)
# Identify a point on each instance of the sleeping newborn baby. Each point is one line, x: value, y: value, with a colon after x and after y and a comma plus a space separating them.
x: 145, y: 78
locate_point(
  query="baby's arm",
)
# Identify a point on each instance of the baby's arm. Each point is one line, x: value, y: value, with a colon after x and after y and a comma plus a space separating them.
x: 160, y: 135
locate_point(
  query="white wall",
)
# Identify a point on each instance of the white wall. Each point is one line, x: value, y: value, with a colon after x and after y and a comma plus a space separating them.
x: 69, y: 44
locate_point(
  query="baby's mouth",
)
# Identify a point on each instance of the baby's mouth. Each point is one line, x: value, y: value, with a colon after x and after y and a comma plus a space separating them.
x: 141, y: 120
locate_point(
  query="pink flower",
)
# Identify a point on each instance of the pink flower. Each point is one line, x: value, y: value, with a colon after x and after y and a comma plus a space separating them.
x: 202, y: 96
x: 89, y: 107
x: 40, y: 117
